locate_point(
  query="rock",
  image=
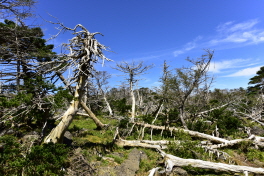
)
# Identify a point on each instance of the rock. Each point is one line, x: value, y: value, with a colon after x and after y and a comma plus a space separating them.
x: 78, y: 165
x: 131, y: 165
x: 29, y: 140
x: 257, y: 131
x: 67, y: 138
x: 178, y: 171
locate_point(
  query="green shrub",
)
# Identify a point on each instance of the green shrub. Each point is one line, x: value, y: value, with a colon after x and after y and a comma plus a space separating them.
x: 254, y: 154
x: 187, y: 149
x: 226, y: 121
x: 120, y: 106
x: 11, y: 159
x: 47, y: 159
x: 146, y: 118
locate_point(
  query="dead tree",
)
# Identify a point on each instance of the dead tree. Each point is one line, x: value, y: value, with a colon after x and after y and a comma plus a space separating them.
x: 16, y: 9
x: 187, y: 80
x: 132, y: 70
x: 171, y: 161
x: 101, y: 81
x: 163, y: 90
x: 84, y: 52
x: 90, y: 114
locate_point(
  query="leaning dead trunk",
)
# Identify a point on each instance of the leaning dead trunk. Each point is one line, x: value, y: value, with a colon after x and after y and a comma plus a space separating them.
x: 98, y: 123
x: 84, y: 52
x: 107, y: 103
x: 182, y: 117
x: 56, y: 135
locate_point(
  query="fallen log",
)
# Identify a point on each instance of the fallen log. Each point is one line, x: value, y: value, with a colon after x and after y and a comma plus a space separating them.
x: 257, y: 140
x: 192, y: 133
x: 171, y: 161
x: 137, y: 143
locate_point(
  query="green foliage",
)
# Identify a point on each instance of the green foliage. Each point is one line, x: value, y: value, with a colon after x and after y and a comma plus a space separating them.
x: 188, y: 149
x: 254, y: 154
x: 225, y: 121
x: 124, y: 123
x: 15, y: 100
x: 146, y: 118
x: 150, y: 162
x: 47, y: 159
x: 257, y: 81
x: 243, y: 146
x: 60, y: 97
x: 121, y: 106
x: 117, y: 159
x: 11, y: 159
x: 200, y: 125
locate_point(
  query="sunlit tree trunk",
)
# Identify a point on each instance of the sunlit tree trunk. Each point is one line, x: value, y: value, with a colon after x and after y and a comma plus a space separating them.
x: 133, y: 110
x: 84, y: 52
x: 56, y: 135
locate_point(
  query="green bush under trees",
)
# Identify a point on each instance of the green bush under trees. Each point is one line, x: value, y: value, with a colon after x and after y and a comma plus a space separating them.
x: 46, y: 159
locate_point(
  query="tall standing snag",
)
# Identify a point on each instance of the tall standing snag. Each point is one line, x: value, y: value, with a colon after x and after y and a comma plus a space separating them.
x: 84, y: 51
x: 132, y: 70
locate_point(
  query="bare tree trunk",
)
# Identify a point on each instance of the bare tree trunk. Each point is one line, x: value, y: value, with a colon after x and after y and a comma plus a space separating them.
x: 138, y: 143
x: 98, y: 123
x: 56, y: 135
x: 158, y: 111
x: 182, y: 117
x: 133, y: 102
x: 171, y: 161
x: 108, y: 106
x: 88, y: 111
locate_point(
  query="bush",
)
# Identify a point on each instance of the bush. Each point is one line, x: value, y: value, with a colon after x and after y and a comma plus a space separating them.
x: 226, y: 121
x: 47, y: 159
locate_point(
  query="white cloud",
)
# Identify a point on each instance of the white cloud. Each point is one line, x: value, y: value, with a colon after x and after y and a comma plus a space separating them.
x: 245, y: 33
x: 178, y: 52
x: 230, y: 27
x: 229, y: 35
x: 245, y: 72
x: 217, y: 67
x: 187, y: 47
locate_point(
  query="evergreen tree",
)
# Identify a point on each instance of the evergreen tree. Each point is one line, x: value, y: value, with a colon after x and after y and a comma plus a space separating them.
x: 257, y: 81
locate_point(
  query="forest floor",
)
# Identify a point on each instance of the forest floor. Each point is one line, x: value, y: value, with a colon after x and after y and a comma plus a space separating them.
x: 95, y: 153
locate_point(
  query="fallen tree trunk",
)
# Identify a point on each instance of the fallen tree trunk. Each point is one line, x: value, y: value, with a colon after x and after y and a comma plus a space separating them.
x: 192, y: 133
x: 205, y: 112
x: 171, y: 161
x: 138, y: 143
x: 257, y: 140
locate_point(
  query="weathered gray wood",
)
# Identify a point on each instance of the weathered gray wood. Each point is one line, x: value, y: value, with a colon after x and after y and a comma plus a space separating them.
x: 171, y: 161
x: 192, y: 133
x: 137, y: 143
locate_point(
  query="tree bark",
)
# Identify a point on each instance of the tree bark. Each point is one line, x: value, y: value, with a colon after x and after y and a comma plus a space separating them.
x: 138, y: 143
x: 182, y: 117
x: 88, y: 111
x: 192, y: 133
x: 133, y: 103
x: 56, y: 135
x: 171, y: 161
x: 98, y: 123
x: 108, y: 105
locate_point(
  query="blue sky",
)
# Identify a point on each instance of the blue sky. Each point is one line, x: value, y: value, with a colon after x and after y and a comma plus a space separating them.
x: 156, y: 30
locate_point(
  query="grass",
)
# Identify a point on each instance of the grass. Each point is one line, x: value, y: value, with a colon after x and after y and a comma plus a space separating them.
x: 90, y: 140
